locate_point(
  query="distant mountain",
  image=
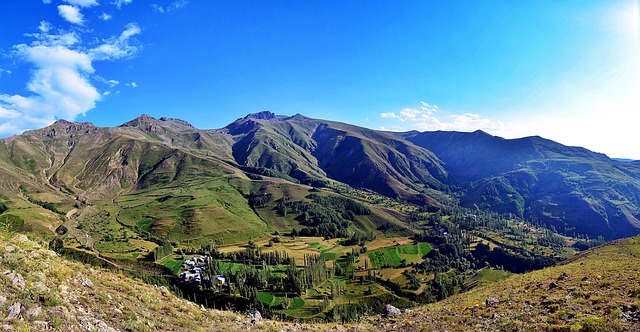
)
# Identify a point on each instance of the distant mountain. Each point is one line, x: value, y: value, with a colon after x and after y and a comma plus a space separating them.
x: 168, y: 178
x: 306, y: 148
x: 572, y: 188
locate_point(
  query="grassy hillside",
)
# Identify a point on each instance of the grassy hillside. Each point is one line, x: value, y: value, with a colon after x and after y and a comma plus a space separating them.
x: 305, y: 148
x: 575, y: 190
x: 63, y: 295
x: 598, y: 290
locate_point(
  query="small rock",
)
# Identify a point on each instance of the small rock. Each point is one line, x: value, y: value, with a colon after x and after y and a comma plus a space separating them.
x: 86, y: 282
x: 3, y: 300
x: 563, y: 276
x: 40, y: 323
x: 16, y: 279
x: 6, y: 328
x: 117, y: 311
x: 406, y: 311
x: 585, y: 278
x: 255, y: 316
x: 553, y: 285
x: 390, y: 310
x: 491, y: 301
x: 39, y: 285
x: 15, y: 311
x: 59, y: 311
x: 33, y: 312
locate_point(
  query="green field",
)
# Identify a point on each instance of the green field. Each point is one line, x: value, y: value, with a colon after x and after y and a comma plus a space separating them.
x: 173, y: 263
x: 392, y: 257
x: 272, y: 300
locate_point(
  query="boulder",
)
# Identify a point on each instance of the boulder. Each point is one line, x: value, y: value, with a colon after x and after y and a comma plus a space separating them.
x: 15, y: 311
x: 33, y: 312
x: 85, y: 282
x: 491, y: 301
x: 390, y: 310
x: 16, y: 279
x: 255, y: 315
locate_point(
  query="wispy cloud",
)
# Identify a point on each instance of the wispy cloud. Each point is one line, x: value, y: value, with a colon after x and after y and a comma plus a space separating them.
x: 174, y: 5
x: 120, y: 3
x: 82, y: 3
x: 426, y: 118
x: 133, y: 84
x: 104, y: 17
x: 5, y: 71
x: 71, y: 14
x: 120, y: 47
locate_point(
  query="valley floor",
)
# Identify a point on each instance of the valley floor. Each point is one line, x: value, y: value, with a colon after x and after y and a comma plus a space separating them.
x: 598, y: 290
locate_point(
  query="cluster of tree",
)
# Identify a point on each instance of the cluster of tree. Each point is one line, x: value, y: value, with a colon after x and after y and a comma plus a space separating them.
x: 3, y: 207
x: 327, y: 216
x: 586, y: 243
x: 358, y: 238
x: 257, y: 200
x: 53, y: 207
x: 312, y: 274
x: 517, y: 261
x: 444, y: 285
x: 352, y: 312
x: 162, y: 251
x: 316, y: 182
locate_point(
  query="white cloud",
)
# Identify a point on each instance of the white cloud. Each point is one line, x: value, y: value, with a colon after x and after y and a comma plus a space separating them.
x: 133, y: 84
x: 71, y: 14
x: 158, y: 8
x: 424, y: 118
x: 120, y: 3
x: 60, y: 84
x: 46, y: 1
x: 174, y: 5
x: 5, y: 71
x: 117, y: 47
x: 59, y: 87
x: 105, y: 17
x: 44, y: 27
x: 82, y: 3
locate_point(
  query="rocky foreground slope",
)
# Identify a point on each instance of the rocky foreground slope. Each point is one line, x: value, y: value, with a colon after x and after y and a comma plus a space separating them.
x: 596, y: 291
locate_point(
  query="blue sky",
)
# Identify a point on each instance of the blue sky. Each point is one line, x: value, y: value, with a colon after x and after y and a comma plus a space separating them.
x: 565, y: 70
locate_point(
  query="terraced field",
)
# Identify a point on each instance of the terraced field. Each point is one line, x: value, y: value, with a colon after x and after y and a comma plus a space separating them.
x: 394, y: 256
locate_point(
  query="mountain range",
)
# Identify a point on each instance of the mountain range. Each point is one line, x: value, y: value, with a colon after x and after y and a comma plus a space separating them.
x: 146, y: 164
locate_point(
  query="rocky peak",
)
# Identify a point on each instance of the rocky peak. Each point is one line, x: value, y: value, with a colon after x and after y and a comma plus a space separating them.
x: 264, y: 115
x: 66, y: 129
x: 177, y: 121
x: 140, y: 121
x: 152, y: 125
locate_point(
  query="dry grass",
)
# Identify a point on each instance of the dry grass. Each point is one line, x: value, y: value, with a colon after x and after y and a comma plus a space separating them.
x: 592, y: 292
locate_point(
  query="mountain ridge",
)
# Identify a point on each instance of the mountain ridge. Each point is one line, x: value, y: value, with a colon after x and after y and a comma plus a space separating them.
x: 571, y: 188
